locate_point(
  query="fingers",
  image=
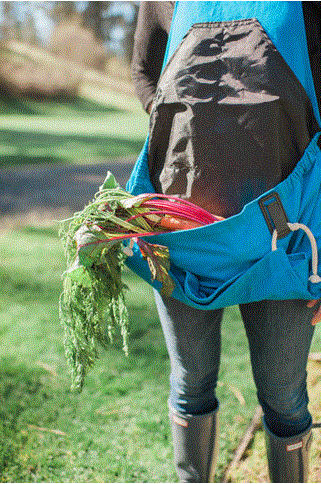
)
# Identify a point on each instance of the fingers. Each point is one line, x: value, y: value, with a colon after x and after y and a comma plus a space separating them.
x: 312, y: 303
x: 316, y: 318
x: 317, y: 311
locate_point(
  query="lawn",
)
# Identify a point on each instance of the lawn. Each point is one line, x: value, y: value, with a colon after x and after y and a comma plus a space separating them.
x: 117, y: 429
x: 68, y: 131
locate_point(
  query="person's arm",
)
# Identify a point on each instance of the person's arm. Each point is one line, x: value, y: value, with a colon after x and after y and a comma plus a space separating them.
x: 312, y: 20
x: 149, y: 48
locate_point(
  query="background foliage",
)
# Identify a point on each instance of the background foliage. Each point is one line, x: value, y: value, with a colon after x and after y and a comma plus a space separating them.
x: 85, y: 39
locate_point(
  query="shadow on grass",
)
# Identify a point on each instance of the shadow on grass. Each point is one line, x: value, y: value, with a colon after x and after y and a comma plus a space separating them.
x: 63, y: 106
x: 14, y: 160
x: 25, y: 287
x: 37, y: 148
x: 15, y: 105
x: 72, y: 106
x: 51, y: 232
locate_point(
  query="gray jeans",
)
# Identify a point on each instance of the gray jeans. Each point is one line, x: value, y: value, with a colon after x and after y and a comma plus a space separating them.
x: 279, y: 335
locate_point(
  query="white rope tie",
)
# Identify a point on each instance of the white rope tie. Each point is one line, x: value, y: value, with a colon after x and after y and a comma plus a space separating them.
x: 314, y: 278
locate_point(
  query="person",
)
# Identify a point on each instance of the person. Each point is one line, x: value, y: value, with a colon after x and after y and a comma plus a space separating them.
x: 193, y: 100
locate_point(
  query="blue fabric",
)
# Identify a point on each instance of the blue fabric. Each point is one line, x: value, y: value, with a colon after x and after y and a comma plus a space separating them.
x: 231, y: 262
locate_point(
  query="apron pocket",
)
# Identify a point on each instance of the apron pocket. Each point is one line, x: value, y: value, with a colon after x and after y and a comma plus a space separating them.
x: 276, y: 276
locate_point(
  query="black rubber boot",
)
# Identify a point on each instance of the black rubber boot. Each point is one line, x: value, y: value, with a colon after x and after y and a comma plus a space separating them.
x: 195, y: 445
x: 288, y: 457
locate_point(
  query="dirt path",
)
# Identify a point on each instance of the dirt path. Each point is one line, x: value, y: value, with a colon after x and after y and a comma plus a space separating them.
x: 42, y: 193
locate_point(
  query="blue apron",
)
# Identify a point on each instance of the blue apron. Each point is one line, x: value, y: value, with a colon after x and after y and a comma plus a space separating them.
x: 269, y: 248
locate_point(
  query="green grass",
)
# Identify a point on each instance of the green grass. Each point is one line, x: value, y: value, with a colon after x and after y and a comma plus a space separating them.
x: 117, y: 429
x: 253, y: 466
x: 68, y: 131
x: 61, y: 107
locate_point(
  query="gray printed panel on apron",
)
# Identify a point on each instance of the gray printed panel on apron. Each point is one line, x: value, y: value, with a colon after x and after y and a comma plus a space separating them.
x: 230, y: 119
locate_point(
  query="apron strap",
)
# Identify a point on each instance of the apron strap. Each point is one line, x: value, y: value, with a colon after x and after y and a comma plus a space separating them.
x: 275, y: 215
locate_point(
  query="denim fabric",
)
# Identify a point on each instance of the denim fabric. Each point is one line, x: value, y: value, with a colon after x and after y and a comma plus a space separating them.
x: 279, y: 335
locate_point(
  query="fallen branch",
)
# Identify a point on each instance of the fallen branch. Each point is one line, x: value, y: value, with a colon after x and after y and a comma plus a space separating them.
x: 236, y: 392
x: 247, y: 437
x: 315, y: 356
x: 43, y: 429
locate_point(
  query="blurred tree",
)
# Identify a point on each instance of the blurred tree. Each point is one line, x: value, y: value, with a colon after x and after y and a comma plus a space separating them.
x: 93, y: 18
x: 27, y: 31
x: 26, y: 21
x: 111, y: 24
x: 78, y: 44
x: 79, y: 35
x: 63, y: 11
x: 129, y: 34
x: 9, y: 28
x: 89, y: 33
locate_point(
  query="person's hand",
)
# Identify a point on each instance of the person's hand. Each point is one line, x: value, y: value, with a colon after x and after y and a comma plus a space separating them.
x: 317, y: 312
x: 149, y: 107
